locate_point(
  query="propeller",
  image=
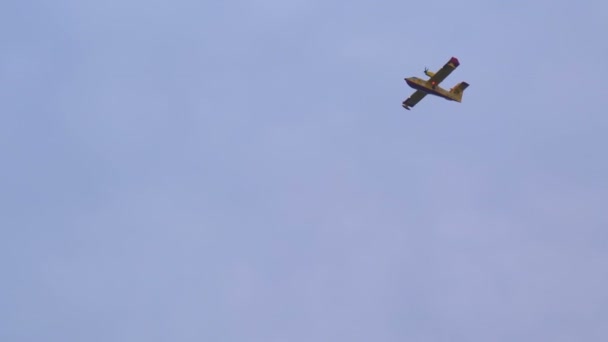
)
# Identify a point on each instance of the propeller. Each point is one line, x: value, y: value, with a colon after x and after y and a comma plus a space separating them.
x: 426, y: 69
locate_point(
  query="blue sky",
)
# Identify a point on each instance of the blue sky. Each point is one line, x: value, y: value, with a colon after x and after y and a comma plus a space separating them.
x: 244, y: 171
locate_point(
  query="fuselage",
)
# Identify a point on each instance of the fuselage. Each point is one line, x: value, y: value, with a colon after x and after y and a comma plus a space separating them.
x: 427, y: 87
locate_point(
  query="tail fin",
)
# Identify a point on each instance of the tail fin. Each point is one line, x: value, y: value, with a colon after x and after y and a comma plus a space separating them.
x: 458, y: 90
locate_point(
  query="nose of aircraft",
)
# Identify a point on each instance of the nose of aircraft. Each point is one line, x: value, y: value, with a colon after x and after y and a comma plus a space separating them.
x: 409, y: 82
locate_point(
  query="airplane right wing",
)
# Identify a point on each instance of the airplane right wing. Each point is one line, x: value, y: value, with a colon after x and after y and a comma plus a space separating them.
x: 445, y: 71
x: 413, y: 99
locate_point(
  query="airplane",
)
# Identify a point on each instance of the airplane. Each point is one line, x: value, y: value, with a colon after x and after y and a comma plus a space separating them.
x: 431, y: 86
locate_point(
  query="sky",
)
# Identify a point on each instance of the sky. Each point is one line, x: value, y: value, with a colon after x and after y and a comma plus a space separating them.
x: 244, y: 171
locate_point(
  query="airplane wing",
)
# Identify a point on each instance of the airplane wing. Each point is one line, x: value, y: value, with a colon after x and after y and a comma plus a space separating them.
x: 446, y: 70
x: 414, y: 98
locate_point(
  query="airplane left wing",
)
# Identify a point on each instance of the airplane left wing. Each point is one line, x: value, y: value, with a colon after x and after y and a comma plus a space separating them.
x: 445, y: 71
x: 413, y: 99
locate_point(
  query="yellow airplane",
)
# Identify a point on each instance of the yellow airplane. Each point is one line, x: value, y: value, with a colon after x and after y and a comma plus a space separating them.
x: 431, y: 86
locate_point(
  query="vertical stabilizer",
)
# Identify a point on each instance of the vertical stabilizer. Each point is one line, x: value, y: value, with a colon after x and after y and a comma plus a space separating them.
x: 458, y: 90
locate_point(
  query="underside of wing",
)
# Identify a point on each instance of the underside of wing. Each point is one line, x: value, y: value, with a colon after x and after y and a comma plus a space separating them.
x: 414, y: 98
x: 445, y: 71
